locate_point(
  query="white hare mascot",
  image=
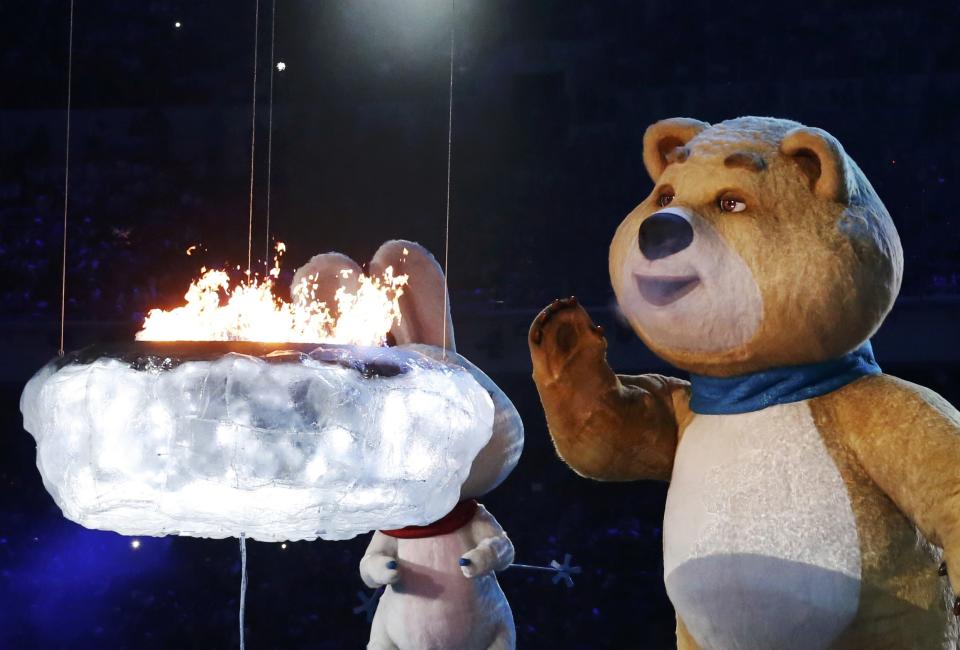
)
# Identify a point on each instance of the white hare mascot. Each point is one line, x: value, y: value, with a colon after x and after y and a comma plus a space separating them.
x: 441, y: 591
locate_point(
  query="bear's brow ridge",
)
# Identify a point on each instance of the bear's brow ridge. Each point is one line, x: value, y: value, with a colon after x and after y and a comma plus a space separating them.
x: 750, y: 161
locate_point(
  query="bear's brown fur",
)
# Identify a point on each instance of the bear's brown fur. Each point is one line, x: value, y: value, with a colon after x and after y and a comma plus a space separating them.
x: 796, y: 262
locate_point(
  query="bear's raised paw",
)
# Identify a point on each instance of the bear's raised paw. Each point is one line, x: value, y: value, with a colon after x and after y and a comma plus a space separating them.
x: 561, y: 332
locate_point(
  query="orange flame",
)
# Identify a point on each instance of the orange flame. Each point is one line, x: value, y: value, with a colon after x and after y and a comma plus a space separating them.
x: 252, y: 313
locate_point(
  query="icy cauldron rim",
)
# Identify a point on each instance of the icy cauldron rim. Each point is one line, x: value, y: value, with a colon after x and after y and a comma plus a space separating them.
x: 369, y: 361
x: 154, y: 359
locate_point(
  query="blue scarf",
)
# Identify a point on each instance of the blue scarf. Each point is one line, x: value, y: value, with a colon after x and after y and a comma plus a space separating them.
x: 758, y: 390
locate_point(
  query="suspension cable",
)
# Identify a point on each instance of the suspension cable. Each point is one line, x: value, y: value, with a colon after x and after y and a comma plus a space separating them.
x: 273, y: 40
x: 446, y: 243
x: 253, y: 134
x: 66, y: 186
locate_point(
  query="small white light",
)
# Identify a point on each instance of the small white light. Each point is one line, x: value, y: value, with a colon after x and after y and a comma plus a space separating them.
x: 283, y: 546
x: 178, y: 24
x: 135, y: 544
x: 281, y: 66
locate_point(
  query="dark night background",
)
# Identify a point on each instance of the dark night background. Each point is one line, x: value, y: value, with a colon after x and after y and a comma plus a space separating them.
x: 551, y: 102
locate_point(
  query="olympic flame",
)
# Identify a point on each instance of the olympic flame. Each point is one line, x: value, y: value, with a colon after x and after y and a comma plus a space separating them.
x: 249, y: 311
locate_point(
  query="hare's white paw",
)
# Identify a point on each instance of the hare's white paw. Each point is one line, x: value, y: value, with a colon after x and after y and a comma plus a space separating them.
x: 378, y: 570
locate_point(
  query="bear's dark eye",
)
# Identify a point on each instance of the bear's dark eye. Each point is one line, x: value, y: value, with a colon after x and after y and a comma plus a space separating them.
x: 731, y: 203
x: 665, y: 199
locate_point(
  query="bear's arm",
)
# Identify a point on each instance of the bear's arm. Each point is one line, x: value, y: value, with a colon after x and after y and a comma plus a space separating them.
x: 907, y: 438
x: 604, y: 426
x: 624, y: 431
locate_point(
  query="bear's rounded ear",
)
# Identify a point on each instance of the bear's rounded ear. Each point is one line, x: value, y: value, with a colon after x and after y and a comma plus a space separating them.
x: 663, y: 137
x: 821, y: 158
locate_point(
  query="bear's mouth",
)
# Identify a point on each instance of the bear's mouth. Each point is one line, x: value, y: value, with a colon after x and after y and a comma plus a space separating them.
x: 661, y: 291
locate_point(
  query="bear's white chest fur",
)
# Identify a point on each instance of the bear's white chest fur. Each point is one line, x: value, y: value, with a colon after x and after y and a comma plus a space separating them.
x: 760, y: 541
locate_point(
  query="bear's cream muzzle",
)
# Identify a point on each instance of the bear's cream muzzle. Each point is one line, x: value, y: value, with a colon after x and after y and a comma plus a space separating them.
x: 682, y: 285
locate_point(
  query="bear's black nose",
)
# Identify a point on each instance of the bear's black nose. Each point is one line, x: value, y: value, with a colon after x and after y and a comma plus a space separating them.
x: 663, y: 234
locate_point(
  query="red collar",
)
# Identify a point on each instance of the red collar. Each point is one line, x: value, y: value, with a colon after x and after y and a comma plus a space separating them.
x: 456, y: 519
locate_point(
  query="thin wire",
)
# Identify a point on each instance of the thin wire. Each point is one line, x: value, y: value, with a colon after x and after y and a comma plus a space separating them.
x: 273, y: 40
x: 530, y: 567
x: 243, y: 585
x: 66, y: 188
x: 253, y: 152
x: 253, y: 135
x: 446, y: 243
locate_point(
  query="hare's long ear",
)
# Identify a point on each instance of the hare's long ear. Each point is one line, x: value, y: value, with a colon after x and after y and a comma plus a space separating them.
x: 323, y: 275
x: 424, y: 310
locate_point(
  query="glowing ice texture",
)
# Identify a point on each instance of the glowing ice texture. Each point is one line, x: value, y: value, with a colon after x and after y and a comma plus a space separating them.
x: 291, y: 445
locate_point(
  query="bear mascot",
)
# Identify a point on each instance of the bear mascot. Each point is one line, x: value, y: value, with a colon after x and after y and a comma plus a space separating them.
x: 441, y: 591
x: 812, y: 497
